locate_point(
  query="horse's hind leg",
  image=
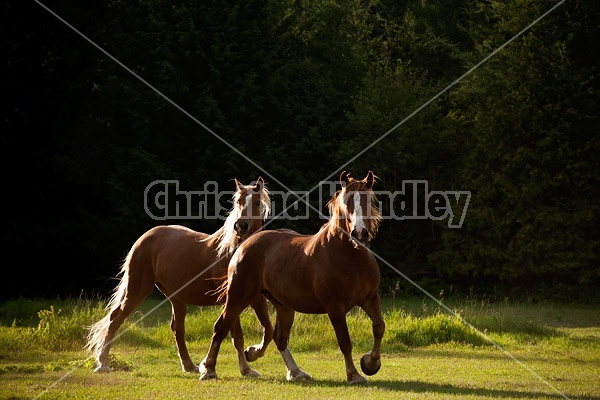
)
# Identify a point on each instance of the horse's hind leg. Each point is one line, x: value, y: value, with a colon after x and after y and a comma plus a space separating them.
x: 113, y: 320
x: 222, y: 326
x: 261, y: 308
x: 283, y: 325
x: 371, y: 362
x: 178, y: 327
x: 129, y: 302
x: 338, y: 320
x: 238, y: 342
x: 241, y: 290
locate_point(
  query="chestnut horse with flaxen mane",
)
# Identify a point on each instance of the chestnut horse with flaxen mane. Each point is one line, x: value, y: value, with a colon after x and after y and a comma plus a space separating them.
x: 186, y: 266
x: 328, y: 272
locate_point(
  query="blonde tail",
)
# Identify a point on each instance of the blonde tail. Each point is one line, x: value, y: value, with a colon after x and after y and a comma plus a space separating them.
x: 99, y: 330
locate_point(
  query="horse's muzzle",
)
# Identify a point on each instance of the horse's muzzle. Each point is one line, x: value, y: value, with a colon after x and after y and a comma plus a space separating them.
x: 241, y: 228
x: 361, y: 237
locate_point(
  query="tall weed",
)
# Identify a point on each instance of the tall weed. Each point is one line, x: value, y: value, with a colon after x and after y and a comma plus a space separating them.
x: 433, y: 329
x: 64, y: 327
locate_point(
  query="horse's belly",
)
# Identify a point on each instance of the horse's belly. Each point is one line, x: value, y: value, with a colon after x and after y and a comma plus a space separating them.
x: 311, y: 309
x: 198, y: 292
x: 308, y: 307
x: 299, y: 302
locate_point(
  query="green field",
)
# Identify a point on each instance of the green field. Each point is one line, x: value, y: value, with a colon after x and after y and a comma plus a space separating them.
x: 519, y: 351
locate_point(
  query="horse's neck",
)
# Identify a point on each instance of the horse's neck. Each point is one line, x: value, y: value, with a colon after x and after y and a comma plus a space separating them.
x: 329, y: 235
x: 223, y: 241
x: 335, y: 229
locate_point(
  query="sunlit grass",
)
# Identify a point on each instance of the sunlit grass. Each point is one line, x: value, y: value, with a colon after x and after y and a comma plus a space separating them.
x: 62, y: 325
x: 427, y: 352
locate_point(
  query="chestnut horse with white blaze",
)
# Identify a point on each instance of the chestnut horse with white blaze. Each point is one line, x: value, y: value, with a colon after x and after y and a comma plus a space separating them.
x: 328, y: 272
x: 186, y: 266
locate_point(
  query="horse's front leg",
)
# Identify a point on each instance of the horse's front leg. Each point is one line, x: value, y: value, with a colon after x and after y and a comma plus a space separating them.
x: 285, y: 319
x: 338, y: 320
x: 261, y: 308
x: 371, y: 362
x: 179, y: 311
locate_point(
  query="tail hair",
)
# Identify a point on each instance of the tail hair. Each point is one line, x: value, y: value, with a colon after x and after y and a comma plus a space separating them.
x: 221, y: 290
x: 97, y: 332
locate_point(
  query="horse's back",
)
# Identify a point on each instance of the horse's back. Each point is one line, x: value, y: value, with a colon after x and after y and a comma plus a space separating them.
x: 164, y: 238
x: 174, y: 256
x: 172, y: 231
x: 268, y: 249
x: 268, y: 242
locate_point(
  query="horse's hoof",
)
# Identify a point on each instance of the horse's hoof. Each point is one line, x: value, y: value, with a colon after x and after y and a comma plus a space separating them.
x: 102, y: 369
x: 297, y: 376
x: 251, y: 374
x: 357, y: 379
x: 208, y: 375
x: 369, y: 370
x: 251, y: 354
x: 193, y: 369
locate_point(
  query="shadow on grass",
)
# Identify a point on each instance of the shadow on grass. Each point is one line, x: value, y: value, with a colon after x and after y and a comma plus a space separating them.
x: 442, y: 354
x: 428, y: 387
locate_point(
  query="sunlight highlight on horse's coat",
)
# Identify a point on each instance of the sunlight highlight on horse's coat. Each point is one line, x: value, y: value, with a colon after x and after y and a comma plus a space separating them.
x: 325, y: 273
x: 187, y: 267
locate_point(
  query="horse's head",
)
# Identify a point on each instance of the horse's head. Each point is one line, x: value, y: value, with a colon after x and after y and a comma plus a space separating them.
x: 357, y: 208
x: 252, y: 205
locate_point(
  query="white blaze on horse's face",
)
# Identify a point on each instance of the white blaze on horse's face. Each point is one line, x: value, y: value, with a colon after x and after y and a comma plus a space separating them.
x: 242, y: 226
x: 250, y: 215
x: 248, y: 202
x: 357, y: 217
x: 358, y: 231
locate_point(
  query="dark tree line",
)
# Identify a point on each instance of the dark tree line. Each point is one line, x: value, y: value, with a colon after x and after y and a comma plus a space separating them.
x: 301, y: 87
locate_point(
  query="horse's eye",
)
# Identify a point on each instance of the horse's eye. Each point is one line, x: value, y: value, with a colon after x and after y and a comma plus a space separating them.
x: 257, y: 203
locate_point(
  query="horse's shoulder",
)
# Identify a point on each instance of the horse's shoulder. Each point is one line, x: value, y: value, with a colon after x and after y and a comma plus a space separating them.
x: 269, y: 237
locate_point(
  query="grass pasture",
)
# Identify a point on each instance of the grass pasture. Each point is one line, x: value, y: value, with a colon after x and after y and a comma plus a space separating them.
x: 542, y: 351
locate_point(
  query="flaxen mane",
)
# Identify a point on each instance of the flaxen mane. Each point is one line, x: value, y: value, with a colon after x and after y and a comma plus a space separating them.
x: 338, y: 212
x: 226, y: 236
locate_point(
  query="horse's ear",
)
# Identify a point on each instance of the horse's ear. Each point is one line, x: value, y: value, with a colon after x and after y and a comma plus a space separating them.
x: 344, y: 178
x: 260, y: 184
x: 238, y: 185
x: 370, y: 180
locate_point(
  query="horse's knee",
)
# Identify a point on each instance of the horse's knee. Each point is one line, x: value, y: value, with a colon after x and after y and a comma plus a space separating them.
x: 281, y: 342
x: 379, y: 328
x: 281, y: 338
x: 345, y: 346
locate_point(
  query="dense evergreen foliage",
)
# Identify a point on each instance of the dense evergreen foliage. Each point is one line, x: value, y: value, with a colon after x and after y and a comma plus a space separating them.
x: 301, y: 88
